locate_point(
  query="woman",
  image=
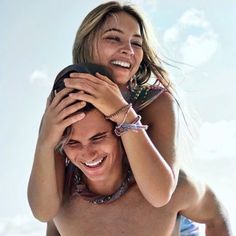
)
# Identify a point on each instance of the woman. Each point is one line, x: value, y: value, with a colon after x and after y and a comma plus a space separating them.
x: 114, y: 36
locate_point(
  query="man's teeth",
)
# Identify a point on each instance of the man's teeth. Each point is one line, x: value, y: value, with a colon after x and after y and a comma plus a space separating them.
x: 95, y: 163
x: 121, y: 63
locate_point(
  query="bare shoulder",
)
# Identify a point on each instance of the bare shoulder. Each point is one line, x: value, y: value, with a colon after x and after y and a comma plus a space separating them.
x: 163, y: 106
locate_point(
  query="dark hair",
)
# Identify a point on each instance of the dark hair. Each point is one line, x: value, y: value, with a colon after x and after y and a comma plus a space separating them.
x: 58, y: 85
x: 89, y: 68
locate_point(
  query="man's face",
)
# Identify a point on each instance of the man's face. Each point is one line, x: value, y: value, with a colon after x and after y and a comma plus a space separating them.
x: 94, y: 148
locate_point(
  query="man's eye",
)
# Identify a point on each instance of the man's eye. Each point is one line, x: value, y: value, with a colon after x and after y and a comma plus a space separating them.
x: 72, y: 143
x: 98, y: 139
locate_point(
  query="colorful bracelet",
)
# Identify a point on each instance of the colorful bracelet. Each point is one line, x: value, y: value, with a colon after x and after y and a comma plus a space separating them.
x: 134, y: 126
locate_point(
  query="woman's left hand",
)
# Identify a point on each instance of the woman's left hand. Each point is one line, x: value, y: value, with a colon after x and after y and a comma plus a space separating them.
x: 98, y: 90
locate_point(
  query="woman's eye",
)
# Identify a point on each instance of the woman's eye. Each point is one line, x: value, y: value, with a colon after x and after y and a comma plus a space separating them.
x: 113, y: 38
x: 138, y: 44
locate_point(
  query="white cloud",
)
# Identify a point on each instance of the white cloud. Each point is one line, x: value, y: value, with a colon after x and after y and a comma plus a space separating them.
x: 171, y: 34
x: 193, y: 17
x: 40, y: 77
x: 197, y: 50
x: 191, y: 39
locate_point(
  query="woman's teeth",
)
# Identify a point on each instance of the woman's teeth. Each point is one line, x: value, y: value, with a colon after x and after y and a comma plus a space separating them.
x: 121, y: 63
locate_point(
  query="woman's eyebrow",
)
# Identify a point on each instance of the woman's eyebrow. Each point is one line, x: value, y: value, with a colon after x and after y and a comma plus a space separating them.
x: 120, y: 31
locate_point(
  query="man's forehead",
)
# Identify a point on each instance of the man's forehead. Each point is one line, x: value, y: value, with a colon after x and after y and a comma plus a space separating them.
x: 93, y: 122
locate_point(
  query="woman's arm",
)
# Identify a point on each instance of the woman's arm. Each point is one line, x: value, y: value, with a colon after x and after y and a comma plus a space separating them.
x: 46, y: 181
x: 161, y: 116
x: 153, y: 175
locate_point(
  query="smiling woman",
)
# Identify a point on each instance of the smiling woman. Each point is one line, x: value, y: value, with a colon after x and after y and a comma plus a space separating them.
x: 122, y: 43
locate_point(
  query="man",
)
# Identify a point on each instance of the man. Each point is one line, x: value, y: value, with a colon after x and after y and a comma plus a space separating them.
x: 95, y: 150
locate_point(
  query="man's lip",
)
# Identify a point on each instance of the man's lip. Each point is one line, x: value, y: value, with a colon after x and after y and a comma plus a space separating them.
x: 95, y: 166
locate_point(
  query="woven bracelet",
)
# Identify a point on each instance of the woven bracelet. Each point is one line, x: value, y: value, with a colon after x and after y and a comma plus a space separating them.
x: 134, y: 126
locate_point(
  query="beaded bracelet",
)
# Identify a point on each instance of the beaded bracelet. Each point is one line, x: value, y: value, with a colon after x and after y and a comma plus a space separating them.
x: 134, y: 126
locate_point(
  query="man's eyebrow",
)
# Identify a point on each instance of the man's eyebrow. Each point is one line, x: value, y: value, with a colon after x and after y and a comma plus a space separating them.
x: 120, y: 31
x: 99, y: 135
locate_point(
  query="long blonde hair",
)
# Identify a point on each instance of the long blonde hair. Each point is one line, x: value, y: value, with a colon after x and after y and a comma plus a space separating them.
x: 88, y: 31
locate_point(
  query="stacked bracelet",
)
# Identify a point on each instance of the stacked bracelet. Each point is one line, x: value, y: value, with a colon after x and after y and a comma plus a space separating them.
x: 134, y: 126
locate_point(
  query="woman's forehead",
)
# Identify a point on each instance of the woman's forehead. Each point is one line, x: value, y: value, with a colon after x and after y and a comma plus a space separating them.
x: 121, y: 21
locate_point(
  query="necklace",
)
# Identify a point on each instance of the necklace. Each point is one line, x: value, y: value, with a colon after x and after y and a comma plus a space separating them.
x: 82, y: 190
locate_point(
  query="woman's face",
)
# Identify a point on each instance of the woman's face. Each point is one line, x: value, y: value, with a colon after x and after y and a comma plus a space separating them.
x: 119, y: 47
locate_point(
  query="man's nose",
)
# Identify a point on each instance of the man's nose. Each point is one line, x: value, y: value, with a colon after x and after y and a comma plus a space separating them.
x: 88, y: 151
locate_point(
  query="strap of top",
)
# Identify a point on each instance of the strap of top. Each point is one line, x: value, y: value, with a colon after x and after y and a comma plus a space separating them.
x: 142, y: 96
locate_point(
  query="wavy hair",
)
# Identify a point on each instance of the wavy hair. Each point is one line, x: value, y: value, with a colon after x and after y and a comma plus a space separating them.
x: 89, y: 29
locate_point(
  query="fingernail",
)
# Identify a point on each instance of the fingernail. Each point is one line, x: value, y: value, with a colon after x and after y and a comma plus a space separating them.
x: 73, y: 75
x: 82, y: 114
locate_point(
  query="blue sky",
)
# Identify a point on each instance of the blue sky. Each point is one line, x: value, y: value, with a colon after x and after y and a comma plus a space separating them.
x: 36, y: 42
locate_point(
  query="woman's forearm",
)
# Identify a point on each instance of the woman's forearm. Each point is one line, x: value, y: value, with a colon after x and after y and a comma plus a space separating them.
x: 44, y: 194
x: 152, y: 173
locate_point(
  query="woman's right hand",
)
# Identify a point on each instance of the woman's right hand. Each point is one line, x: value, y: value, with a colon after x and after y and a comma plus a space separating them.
x: 58, y: 116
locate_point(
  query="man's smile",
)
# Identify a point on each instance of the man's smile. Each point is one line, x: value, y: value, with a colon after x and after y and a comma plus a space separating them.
x: 94, y: 164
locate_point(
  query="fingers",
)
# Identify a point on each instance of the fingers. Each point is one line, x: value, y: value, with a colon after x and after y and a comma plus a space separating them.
x: 64, y: 106
x: 85, y: 76
x: 73, y: 119
x: 67, y: 101
x: 105, y: 79
x: 59, y: 96
x: 98, y: 79
x: 68, y: 111
x: 81, y: 84
x: 83, y: 97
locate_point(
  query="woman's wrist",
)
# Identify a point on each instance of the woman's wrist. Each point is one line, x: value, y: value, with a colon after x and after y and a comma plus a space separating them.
x: 120, y: 114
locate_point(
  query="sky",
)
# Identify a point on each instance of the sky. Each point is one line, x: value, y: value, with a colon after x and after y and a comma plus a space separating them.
x: 196, y: 37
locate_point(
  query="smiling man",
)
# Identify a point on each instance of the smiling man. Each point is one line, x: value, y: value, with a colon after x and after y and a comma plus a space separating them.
x: 90, y: 188
x: 103, y: 198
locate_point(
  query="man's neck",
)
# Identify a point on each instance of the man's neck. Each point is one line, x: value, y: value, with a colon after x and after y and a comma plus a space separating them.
x: 109, y: 186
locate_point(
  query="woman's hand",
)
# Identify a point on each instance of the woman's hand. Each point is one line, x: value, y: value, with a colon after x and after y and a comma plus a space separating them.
x: 58, y: 116
x: 98, y: 90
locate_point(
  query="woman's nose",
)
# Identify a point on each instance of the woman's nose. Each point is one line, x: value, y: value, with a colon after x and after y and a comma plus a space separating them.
x: 127, y: 49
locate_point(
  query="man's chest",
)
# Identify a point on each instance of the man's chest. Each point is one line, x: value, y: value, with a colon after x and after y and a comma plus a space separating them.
x: 126, y: 216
